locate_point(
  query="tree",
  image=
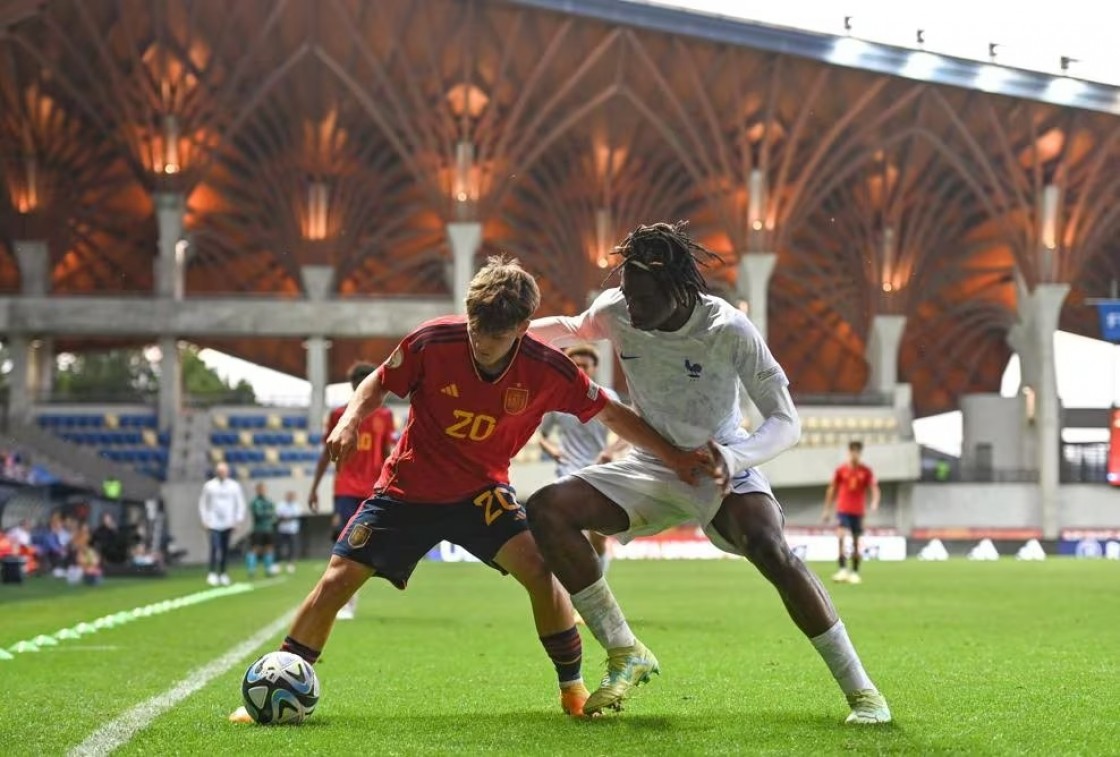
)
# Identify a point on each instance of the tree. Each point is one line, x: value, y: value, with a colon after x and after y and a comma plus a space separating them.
x: 131, y: 375
x: 113, y: 375
x: 202, y: 383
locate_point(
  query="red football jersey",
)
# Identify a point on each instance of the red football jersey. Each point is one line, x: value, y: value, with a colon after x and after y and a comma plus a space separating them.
x: 851, y: 486
x: 462, y: 429
x: 356, y: 475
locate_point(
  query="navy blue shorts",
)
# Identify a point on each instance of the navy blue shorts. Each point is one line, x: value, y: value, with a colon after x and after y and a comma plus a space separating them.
x: 853, y: 523
x: 344, y: 508
x: 392, y: 536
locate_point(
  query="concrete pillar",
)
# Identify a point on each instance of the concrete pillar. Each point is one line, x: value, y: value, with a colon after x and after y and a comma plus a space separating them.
x: 170, y: 382
x: 317, y: 280
x: 1021, y: 340
x: 904, y: 508
x: 42, y: 364
x: 465, y: 239
x: 19, y: 385
x: 317, y: 347
x: 1046, y: 308
x: 170, y: 263
x: 755, y: 269
x: 882, y: 352
x: 34, y: 260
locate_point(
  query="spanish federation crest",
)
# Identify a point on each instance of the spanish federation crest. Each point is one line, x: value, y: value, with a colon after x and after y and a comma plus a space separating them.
x: 359, y: 535
x: 515, y: 400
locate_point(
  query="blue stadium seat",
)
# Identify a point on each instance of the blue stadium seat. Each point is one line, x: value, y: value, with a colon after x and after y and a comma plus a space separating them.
x: 295, y: 422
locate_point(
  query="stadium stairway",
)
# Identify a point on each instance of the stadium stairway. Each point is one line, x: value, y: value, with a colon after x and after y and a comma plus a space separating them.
x: 84, y: 464
x: 189, y: 456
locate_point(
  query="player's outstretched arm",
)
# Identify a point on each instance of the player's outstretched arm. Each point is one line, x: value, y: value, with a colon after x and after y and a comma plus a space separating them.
x: 779, y: 431
x: 688, y: 465
x: 589, y: 326
x: 369, y: 396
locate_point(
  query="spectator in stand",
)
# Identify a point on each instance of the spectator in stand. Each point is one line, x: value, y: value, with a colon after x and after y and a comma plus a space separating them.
x: 53, y: 545
x: 87, y: 562
x: 287, y: 530
x: 20, y: 533
x: 221, y: 508
x: 107, y: 540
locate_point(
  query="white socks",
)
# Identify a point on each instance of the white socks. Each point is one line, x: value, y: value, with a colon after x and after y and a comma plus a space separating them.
x: 604, y: 563
x: 840, y: 656
x: 603, y: 616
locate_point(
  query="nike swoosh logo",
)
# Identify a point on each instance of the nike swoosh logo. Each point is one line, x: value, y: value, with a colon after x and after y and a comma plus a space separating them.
x: 628, y: 357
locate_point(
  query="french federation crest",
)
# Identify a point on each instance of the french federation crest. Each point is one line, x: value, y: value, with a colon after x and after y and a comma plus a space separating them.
x: 515, y: 400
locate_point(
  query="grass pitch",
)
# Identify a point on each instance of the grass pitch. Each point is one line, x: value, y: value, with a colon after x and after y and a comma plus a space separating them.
x: 975, y: 658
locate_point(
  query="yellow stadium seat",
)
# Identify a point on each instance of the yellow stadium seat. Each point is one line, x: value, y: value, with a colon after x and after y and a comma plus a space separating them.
x: 150, y: 438
x: 811, y: 422
x: 217, y: 456
x: 274, y: 421
x: 272, y: 456
x: 245, y: 438
x: 299, y: 438
x: 220, y: 421
x: 865, y: 423
x: 112, y: 421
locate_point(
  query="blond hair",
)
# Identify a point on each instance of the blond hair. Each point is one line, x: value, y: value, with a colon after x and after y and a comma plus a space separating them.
x: 502, y: 295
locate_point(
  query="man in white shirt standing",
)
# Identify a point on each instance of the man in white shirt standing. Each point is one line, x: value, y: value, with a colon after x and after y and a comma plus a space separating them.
x: 221, y: 508
x: 684, y: 353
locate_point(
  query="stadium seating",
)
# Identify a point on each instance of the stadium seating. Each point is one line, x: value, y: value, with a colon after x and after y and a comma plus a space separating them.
x: 264, y: 444
x: 129, y: 438
x: 836, y: 429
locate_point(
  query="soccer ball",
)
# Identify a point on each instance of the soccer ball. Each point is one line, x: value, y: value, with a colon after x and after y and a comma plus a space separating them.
x: 280, y: 687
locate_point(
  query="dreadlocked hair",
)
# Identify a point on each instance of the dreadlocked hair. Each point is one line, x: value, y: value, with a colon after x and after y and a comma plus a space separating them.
x: 671, y: 255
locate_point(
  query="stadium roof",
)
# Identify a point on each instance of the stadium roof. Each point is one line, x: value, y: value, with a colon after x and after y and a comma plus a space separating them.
x: 557, y: 128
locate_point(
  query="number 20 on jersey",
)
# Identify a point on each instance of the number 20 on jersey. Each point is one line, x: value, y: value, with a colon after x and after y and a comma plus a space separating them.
x: 477, y: 427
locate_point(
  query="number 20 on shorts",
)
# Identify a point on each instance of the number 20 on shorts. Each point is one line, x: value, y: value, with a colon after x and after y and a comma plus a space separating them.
x: 496, y: 501
x: 474, y: 426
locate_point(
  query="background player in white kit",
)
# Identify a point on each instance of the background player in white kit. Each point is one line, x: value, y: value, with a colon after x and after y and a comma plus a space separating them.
x: 582, y: 444
x: 684, y: 353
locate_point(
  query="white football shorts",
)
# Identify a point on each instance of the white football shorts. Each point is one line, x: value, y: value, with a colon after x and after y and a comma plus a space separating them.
x: 655, y: 499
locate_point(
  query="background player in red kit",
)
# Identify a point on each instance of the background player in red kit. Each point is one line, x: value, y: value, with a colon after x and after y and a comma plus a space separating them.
x: 850, y: 484
x: 478, y: 387
x: 354, y: 478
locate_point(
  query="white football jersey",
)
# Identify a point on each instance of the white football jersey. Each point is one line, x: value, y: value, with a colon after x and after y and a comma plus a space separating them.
x: 684, y: 383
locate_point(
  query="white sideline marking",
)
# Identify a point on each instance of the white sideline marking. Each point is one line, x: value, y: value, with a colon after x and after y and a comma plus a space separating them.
x: 120, y: 731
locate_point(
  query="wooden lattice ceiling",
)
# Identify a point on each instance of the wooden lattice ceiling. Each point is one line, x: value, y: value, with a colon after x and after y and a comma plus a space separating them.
x: 882, y: 196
